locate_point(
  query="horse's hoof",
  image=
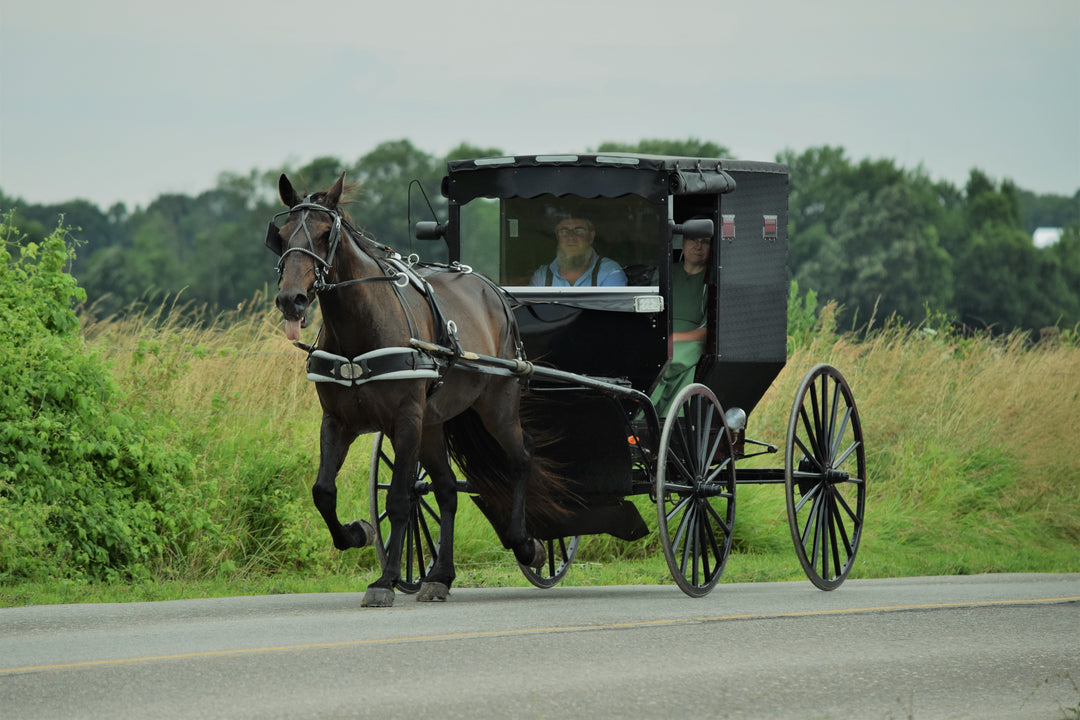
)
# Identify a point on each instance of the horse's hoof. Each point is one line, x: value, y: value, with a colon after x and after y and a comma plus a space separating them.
x: 539, y: 554
x: 432, y: 592
x: 378, y: 597
x: 359, y: 533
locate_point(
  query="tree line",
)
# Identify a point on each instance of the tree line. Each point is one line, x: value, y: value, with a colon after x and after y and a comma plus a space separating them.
x: 882, y: 240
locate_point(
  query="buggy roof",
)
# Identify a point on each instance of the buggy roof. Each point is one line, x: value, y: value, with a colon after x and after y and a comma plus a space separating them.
x: 594, y: 175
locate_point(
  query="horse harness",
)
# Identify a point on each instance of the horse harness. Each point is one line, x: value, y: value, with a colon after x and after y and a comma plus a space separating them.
x: 391, y: 363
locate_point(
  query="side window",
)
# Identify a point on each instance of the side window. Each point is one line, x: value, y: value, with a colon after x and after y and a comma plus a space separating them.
x: 480, y: 237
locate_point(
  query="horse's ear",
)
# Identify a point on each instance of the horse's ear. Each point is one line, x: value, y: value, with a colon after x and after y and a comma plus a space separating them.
x: 333, y: 195
x: 286, y: 192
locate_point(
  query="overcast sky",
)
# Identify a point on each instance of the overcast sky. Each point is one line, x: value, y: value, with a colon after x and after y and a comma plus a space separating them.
x: 118, y: 100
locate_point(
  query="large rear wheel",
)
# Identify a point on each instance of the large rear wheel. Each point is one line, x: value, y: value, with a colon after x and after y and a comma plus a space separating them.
x: 695, y: 490
x: 825, y: 476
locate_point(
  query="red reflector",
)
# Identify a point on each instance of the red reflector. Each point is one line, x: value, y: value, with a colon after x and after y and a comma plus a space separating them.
x: 769, y: 231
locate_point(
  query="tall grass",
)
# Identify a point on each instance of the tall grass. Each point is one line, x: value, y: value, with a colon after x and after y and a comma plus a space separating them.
x: 970, y: 454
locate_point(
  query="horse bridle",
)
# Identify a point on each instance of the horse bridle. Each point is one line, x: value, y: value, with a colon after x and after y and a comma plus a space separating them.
x: 323, y: 266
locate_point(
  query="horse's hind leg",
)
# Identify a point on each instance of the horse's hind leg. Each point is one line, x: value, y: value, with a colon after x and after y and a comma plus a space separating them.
x: 433, y: 457
x: 334, y: 442
x: 501, y: 419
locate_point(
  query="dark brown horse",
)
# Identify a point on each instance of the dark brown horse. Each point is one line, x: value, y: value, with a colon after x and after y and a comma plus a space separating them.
x: 373, y: 305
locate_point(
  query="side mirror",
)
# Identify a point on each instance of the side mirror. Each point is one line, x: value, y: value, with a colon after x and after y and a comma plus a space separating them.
x: 696, y: 228
x: 430, y: 230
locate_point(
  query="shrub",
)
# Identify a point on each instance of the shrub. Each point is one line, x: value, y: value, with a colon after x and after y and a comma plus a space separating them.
x: 87, y: 490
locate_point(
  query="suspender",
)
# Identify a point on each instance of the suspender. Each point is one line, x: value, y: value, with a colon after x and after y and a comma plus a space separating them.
x: 549, y: 276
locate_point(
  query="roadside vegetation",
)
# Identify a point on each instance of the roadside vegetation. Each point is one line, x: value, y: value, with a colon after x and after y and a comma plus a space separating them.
x: 169, y: 453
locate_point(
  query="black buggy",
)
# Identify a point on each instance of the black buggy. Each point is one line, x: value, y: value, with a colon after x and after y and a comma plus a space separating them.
x: 596, y: 354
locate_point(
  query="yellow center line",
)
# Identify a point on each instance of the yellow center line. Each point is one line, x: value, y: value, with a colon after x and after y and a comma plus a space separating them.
x: 524, y: 631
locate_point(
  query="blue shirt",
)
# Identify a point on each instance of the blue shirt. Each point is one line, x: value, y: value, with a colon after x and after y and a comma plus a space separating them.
x: 609, y: 275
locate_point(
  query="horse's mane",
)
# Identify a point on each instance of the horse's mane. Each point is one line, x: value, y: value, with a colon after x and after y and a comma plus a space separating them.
x: 348, y: 197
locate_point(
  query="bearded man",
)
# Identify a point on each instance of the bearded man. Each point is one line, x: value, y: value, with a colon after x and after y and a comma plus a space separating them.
x: 576, y: 263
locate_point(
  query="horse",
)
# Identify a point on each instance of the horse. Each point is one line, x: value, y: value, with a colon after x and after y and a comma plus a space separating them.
x: 374, y: 307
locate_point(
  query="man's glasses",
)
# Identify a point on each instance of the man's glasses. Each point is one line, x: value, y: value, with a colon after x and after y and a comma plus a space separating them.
x: 579, y: 232
x: 699, y: 241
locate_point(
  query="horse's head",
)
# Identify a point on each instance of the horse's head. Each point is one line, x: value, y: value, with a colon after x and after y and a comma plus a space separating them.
x: 306, y: 239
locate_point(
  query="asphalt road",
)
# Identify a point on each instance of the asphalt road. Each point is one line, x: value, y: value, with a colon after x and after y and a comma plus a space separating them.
x: 992, y: 646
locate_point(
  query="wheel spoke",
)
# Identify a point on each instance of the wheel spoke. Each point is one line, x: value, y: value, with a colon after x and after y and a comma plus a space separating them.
x: 831, y: 519
x: 821, y: 523
x: 719, y: 521
x: 683, y: 472
x: 412, y: 545
x: 839, y: 436
x: 689, y: 542
x: 681, y: 508
x: 811, y: 523
x: 846, y: 454
x: 714, y: 473
x: 833, y: 413
x: 847, y: 509
x: 701, y: 438
x: 814, y: 451
x: 841, y: 528
x: 819, y: 430
x: 809, y: 496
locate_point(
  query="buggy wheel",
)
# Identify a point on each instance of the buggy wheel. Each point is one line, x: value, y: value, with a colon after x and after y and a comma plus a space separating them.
x: 695, y: 490
x: 825, y: 476
x: 560, y: 555
x: 422, y: 531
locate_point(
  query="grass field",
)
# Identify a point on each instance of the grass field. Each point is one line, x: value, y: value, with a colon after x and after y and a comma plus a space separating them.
x: 971, y: 459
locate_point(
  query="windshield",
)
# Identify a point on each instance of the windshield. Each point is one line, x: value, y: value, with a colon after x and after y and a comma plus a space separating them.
x: 565, y: 241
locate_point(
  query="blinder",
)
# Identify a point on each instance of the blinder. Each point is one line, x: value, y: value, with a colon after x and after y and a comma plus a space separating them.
x: 273, y: 239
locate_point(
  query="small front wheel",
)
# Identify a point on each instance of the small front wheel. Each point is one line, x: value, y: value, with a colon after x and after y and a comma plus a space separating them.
x: 560, y: 555
x: 695, y: 490
x: 421, y: 543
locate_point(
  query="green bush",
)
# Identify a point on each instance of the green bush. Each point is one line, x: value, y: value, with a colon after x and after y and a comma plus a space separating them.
x: 87, y: 490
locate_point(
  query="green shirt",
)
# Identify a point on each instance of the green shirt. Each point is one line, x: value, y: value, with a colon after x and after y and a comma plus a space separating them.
x: 687, y: 299
x: 687, y: 313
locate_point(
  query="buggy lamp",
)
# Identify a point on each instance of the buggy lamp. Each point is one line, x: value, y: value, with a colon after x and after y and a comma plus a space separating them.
x: 430, y: 230
x: 649, y: 303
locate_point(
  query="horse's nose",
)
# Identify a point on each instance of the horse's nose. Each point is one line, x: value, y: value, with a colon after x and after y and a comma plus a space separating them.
x: 292, y: 304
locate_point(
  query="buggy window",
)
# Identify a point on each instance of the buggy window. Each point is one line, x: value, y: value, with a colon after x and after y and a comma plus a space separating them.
x: 510, y: 240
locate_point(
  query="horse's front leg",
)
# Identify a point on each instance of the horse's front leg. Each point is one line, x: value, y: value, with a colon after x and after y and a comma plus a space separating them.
x: 434, y: 458
x: 406, y: 442
x: 334, y: 442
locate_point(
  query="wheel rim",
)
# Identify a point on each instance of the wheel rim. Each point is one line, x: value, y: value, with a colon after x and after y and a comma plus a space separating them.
x: 421, y: 542
x: 560, y: 555
x: 825, y: 477
x: 695, y: 490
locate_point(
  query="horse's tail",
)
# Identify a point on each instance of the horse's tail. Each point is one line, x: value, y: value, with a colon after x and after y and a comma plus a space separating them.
x: 487, y: 469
